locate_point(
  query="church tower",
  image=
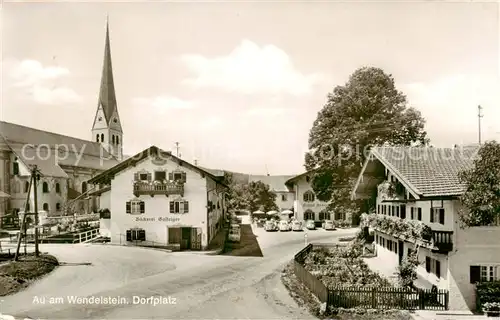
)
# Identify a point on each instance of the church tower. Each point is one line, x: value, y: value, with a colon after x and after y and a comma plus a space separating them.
x: 107, y: 128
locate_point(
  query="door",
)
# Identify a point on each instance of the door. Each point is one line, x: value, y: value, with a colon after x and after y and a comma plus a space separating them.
x: 195, y: 238
x: 401, y: 250
x: 185, y: 238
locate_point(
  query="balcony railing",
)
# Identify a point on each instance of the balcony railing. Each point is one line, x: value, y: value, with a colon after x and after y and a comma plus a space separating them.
x: 168, y: 188
x: 443, y: 240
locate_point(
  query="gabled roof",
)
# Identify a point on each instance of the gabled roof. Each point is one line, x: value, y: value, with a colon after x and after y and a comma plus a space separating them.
x: 428, y: 171
x: 276, y: 183
x: 32, y: 146
x: 294, y: 179
x: 106, y: 176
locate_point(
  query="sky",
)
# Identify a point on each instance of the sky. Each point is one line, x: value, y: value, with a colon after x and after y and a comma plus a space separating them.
x: 239, y: 84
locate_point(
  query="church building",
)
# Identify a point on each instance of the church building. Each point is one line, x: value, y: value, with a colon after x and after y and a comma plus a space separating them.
x: 65, y: 163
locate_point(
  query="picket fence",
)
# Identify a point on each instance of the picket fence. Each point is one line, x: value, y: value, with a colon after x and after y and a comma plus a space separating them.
x: 368, y: 297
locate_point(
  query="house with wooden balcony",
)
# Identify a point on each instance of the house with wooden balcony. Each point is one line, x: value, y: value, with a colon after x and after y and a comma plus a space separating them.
x: 157, y: 199
x: 416, y: 195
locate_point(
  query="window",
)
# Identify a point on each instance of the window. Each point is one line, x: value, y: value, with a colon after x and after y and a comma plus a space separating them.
x: 283, y: 197
x: 142, y: 176
x: 58, y: 206
x: 26, y: 186
x: 437, y: 215
x: 97, y: 137
x: 45, y: 207
x: 179, y: 206
x: 308, y: 196
x: 419, y: 214
x: 384, y: 209
x: 113, y: 139
x: 117, y: 140
x: 433, y: 266
x: 84, y: 187
x: 403, y: 211
x: 392, y: 211
x: 15, y: 167
x: 135, y: 207
x: 102, y: 137
x: 484, y: 273
x: 179, y: 176
x: 378, y: 209
x: 45, y: 187
x: 136, y: 235
x: 58, y: 188
x: 412, y: 213
x: 324, y: 215
x: 308, y: 179
x: 309, y: 215
x: 397, y: 211
x: 160, y: 175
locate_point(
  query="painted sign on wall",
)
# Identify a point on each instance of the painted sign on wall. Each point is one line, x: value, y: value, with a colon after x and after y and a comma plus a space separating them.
x: 314, y: 205
x: 157, y: 219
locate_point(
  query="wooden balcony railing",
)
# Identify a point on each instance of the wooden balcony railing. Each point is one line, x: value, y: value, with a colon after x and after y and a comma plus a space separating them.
x: 169, y: 188
x: 443, y: 240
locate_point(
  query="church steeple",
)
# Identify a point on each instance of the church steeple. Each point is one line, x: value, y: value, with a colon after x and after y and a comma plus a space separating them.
x: 107, y: 128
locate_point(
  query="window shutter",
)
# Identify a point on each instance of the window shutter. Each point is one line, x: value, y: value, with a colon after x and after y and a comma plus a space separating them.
x: 142, y: 207
x: 141, y: 235
x: 475, y: 274
x: 419, y: 214
x: 136, y: 176
x: 432, y: 215
x: 441, y: 216
x: 438, y: 269
x: 183, y: 177
x: 172, y: 207
x: 170, y: 176
x: 149, y: 176
x: 186, y: 207
x: 412, y: 212
x: 129, y: 235
x: 427, y: 264
x: 128, y: 208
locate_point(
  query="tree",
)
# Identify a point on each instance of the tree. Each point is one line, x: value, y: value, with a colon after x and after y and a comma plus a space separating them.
x: 368, y: 110
x: 260, y: 197
x: 482, y: 182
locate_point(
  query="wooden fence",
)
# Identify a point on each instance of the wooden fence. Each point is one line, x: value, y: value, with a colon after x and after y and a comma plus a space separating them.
x: 367, y: 297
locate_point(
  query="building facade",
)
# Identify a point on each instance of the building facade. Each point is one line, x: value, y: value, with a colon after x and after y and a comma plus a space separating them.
x: 65, y: 163
x: 157, y: 199
x: 419, y: 188
x: 284, y: 195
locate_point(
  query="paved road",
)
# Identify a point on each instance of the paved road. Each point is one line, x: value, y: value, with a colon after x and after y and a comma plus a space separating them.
x: 208, y: 287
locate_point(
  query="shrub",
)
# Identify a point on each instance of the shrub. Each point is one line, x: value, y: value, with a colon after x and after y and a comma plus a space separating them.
x: 487, y: 292
x: 407, y: 270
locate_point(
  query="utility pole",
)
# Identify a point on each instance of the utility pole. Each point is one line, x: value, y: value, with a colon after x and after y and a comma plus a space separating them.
x: 34, y: 176
x: 479, y: 116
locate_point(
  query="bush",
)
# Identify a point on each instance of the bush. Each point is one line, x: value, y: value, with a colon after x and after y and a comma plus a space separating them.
x: 407, y: 270
x: 487, y: 292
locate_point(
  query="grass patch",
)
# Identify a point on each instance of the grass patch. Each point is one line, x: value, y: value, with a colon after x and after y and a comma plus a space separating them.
x: 16, y: 275
x: 306, y: 299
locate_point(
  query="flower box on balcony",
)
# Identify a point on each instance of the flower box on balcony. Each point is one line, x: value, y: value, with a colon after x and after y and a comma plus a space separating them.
x: 165, y: 188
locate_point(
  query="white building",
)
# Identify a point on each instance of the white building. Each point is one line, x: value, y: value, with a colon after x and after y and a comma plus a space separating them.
x: 424, y: 189
x: 284, y: 196
x: 306, y: 204
x: 158, y: 199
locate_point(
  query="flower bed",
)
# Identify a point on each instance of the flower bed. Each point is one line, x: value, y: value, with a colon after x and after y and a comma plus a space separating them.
x: 342, y: 267
x: 410, y: 229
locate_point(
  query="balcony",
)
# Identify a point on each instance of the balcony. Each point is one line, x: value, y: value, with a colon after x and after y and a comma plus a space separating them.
x: 163, y: 188
x: 443, y: 241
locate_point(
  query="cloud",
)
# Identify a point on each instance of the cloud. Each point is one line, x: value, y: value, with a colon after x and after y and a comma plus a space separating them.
x: 38, y: 81
x: 163, y: 103
x: 211, y: 122
x: 265, y: 112
x: 250, y: 69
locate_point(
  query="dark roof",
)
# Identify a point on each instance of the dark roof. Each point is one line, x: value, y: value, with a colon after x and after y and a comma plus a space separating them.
x: 293, y: 179
x: 106, y: 176
x: 430, y: 172
x: 276, y: 183
x: 32, y: 146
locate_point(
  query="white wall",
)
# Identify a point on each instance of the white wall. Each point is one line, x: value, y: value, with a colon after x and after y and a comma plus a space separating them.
x: 301, y: 186
x: 195, y: 191
x: 286, y: 204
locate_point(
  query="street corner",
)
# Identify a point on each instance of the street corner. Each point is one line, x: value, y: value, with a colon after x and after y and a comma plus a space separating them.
x: 248, y: 246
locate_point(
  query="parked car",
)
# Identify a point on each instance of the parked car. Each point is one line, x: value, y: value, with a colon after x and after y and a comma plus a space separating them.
x: 270, y: 226
x: 310, y: 225
x: 328, y: 225
x: 297, y: 225
x: 234, y: 233
x: 284, y: 226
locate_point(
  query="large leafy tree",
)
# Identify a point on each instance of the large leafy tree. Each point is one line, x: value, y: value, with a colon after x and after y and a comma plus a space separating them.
x: 252, y: 196
x: 482, y: 181
x: 368, y: 110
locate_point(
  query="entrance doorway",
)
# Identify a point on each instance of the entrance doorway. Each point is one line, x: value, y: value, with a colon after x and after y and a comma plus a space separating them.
x: 187, y: 238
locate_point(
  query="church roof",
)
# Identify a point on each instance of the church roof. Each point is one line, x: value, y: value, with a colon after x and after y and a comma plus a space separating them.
x: 50, y: 150
x: 107, y: 95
